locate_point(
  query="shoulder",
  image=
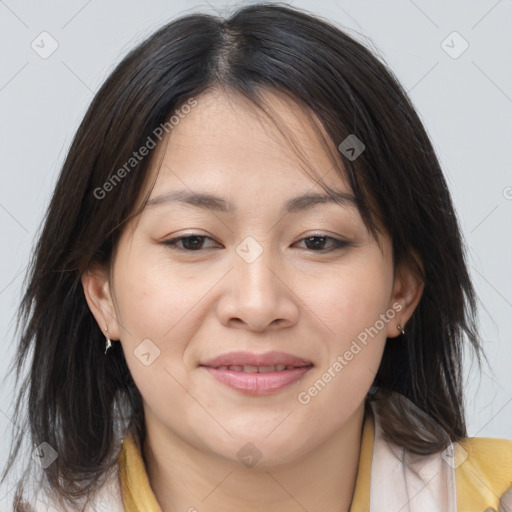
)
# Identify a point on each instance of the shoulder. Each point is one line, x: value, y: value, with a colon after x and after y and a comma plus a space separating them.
x: 483, y: 470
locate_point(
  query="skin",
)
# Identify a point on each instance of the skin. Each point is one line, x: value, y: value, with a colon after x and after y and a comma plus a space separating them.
x: 199, y: 304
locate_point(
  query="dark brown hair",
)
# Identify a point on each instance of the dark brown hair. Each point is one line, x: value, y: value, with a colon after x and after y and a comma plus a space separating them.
x: 81, y: 402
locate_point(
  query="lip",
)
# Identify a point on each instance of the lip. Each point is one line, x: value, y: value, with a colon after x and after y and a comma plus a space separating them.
x: 258, y: 383
x: 253, y: 359
x: 250, y: 383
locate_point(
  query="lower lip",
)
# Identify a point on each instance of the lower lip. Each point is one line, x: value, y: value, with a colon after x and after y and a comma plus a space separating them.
x: 258, y: 383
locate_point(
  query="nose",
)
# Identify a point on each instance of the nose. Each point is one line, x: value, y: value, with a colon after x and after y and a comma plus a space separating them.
x: 258, y: 295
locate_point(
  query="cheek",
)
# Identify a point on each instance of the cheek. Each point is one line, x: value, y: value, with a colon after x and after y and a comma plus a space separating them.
x: 352, y: 299
x: 151, y: 298
x: 152, y: 315
x: 156, y: 303
x: 352, y: 306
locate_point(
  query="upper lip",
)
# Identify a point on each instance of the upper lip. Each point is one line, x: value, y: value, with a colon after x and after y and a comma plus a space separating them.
x: 253, y: 359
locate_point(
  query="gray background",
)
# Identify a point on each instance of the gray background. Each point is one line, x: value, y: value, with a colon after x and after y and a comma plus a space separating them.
x: 464, y: 100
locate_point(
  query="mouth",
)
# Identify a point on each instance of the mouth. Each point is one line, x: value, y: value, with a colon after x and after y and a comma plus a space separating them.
x: 276, y: 361
x: 257, y: 374
x: 257, y: 369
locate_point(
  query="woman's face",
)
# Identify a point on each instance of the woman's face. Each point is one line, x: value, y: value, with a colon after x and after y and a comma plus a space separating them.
x: 252, y: 277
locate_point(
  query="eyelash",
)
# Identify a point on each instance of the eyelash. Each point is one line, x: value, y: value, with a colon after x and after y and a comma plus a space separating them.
x: 338, y: 244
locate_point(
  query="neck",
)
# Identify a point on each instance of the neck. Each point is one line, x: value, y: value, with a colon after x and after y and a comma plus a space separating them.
x: 184, y: 478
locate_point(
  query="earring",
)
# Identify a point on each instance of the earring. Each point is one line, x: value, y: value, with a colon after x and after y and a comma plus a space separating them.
x: 399, y: 327
x: 108, y: 343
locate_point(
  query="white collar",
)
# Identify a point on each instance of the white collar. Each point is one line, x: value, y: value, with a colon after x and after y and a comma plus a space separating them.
x: 401, y: 481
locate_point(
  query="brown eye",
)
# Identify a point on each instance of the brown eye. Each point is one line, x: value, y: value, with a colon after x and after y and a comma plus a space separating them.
x: 189, y: 243
x: 316, y: 243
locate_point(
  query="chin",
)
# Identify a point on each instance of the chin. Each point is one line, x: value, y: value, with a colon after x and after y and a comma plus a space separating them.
x: 260, y: 451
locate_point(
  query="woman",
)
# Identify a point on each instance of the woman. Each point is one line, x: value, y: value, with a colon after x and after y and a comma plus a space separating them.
x: 250, y: 290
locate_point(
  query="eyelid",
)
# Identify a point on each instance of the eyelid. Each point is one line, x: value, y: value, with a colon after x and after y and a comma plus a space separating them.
x: 172, y: 242
x: 338, y: 243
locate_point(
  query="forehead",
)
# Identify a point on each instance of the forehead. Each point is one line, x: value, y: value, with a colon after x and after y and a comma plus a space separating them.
x: 227, y: 139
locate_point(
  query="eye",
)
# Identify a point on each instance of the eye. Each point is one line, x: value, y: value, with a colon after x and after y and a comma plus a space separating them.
x: 190, y: 243
x: 315, y: 243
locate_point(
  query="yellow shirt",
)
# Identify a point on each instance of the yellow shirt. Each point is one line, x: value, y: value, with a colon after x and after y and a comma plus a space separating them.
x: 483, y: 478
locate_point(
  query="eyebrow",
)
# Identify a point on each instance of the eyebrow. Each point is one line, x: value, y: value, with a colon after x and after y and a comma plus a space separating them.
x: 296, y: 204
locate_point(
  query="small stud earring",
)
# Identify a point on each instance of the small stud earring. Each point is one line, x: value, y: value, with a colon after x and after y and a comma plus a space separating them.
x: 108, y: 343
x: 399, y: 327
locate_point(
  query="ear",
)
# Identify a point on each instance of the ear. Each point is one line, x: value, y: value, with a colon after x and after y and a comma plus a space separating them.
x: 407, y: 291
x: 99, y: 299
